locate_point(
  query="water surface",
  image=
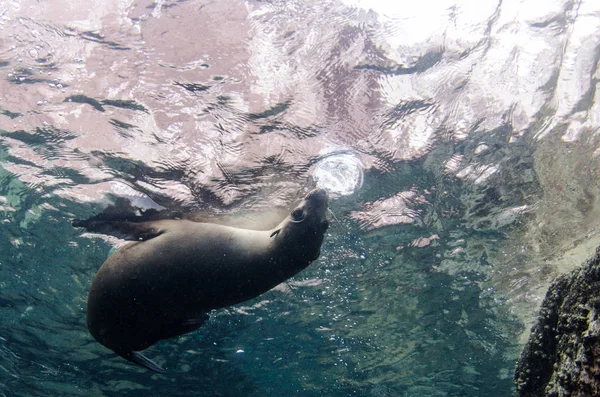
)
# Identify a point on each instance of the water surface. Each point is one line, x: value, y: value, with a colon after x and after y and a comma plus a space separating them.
x: 458, y: 140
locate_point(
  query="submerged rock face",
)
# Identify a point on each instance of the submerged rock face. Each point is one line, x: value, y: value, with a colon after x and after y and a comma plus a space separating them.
x: 562, y: 356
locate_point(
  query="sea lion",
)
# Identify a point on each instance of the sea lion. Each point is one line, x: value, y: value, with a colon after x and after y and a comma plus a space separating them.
x: 164, y: 284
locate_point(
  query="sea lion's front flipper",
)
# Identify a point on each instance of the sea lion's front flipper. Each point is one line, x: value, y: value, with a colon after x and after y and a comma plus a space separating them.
x: 140, y: 359
x: 183, y: 327
x: 133, y: 231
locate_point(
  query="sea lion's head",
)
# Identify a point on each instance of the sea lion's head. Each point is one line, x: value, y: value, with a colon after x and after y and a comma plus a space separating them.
x: 301, y: 233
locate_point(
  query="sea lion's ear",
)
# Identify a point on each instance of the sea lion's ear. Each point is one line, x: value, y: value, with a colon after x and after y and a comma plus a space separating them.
x: 275, y: 233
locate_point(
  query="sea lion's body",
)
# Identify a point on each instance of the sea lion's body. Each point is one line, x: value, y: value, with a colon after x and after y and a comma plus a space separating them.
x: 163, y: 286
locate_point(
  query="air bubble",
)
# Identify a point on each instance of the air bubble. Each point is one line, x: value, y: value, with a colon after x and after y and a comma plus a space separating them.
x: 340, y: 174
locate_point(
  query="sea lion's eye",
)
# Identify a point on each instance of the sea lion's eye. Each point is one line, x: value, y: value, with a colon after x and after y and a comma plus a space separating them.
x: 298, y: 215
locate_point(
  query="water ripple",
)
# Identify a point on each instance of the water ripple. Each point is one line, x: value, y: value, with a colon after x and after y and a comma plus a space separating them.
x: 458, y: 143
x: 396, y: 210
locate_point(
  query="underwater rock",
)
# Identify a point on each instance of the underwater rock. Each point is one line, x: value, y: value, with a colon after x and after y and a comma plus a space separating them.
x: 562, y: 356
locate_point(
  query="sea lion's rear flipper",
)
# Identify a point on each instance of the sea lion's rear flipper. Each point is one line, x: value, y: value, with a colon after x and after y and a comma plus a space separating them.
x: 140, y: 359
x: 133, y: 231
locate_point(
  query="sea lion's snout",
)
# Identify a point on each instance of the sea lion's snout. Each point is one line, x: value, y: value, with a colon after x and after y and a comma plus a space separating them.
x: 316, y: 205
x: 318, y: 195
x: 317, y: 201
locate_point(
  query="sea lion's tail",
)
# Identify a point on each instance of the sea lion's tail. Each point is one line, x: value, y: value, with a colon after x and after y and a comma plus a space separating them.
x: 140, y: 359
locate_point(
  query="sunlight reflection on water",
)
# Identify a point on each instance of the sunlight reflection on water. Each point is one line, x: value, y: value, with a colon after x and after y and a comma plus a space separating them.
x: 474, y: 125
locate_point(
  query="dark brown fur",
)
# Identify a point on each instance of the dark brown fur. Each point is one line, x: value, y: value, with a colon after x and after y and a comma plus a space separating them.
x: 164, y: 285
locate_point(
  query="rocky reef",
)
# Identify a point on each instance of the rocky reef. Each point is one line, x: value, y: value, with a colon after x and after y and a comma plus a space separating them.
x: 562, y: 356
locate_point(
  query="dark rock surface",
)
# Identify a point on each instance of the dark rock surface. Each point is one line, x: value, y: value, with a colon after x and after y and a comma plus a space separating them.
x: 562, y: 356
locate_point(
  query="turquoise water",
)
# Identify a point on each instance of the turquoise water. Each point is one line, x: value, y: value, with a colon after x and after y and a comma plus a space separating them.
x: 458, y: 142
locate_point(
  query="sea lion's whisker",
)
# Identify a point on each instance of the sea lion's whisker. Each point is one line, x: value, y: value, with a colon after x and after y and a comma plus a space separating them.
x: 332, y: 214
